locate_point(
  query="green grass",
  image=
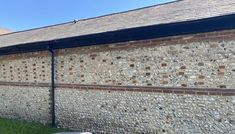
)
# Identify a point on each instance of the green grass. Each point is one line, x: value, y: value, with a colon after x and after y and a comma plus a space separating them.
x: 21, y: 127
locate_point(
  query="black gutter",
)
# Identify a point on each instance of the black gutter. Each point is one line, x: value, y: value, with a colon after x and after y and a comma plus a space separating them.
x: 225, y: 22
x: 50, y: 49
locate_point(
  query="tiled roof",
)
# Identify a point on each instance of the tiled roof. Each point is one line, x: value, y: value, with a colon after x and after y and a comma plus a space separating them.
x: 178, y: 11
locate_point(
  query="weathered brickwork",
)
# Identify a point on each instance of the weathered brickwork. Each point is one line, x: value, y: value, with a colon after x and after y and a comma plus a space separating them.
x: 143, y: 112
x: 182, y: 84
x: 25, y: 103
x: 202, y: 60
x: 31, y: 103
x: 195, y: 64
x: 31, y: 67
x: 174, y: 90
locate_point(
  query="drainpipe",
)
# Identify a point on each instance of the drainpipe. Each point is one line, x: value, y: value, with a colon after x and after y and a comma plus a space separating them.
x: 50, y: 49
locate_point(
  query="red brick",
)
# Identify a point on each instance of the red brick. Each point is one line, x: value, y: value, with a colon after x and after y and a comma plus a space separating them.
x: 228, y: 94
x: 213, y: 46
x: 215, y: 93
x: 164, y: 64
x: 164, y: 82
x: 181, y: 73
x: 179, y: 91
x: 201, y: 77
x: 222, y: 67
x: 165, y: 75
x: 93, y: 55
x: 202, y: 93
x: 189, y: 92
x: 167, y: 91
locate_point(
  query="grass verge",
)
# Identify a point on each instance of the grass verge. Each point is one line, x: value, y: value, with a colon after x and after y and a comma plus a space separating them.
x: 22, y: 127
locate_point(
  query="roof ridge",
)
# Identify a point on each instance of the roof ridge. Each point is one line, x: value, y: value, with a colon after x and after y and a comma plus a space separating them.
x: 174, y: 1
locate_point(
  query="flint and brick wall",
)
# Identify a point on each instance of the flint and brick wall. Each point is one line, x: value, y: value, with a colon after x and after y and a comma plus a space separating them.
x: 181, y: 84
x: 21, y: 97
x: 25, y: 103
x: 144, y: 112
x: 151, y: 63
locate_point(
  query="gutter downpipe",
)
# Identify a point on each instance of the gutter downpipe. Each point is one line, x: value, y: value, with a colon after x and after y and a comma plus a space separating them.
x: 51, y: 50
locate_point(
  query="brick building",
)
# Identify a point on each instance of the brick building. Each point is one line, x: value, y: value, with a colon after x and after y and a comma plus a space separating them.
x: 167, y: 68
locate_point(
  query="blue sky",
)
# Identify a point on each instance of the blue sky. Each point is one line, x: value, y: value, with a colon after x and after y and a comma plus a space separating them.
x: 26, y: 14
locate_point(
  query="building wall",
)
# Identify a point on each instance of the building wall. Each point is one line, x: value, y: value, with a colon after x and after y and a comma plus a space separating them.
x: 24, y: 88
x: 197, y: 69
x: 29, y: 67
x: 143, y: 112
x: 182, y: 84
x: 185, y: 64
x: 25, y: 103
